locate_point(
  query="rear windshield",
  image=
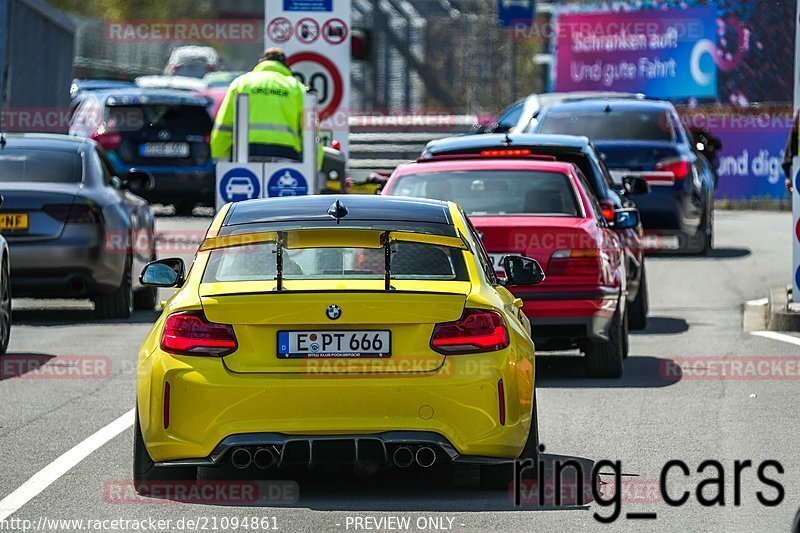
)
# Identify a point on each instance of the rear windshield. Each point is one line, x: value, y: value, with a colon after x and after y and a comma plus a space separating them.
x: 174, y: 118
x: 409, y: 261
x: 495, y: 192
x: 649, y: 125
x: 40, y: 165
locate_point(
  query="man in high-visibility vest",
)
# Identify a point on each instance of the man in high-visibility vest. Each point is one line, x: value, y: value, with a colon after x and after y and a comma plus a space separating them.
x: 276, y: 111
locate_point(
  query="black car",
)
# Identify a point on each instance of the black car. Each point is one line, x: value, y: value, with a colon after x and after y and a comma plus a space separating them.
x: 165, y: 132
x: 610, y: 197
x: 645, y: 138
x: 75, y: 228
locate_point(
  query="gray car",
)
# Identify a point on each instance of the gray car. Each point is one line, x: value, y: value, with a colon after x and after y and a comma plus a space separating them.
x: 74, y: 228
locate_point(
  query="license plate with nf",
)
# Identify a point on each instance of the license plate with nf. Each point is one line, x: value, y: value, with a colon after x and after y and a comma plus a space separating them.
x: 329, y: 344
x: 164, y: 149
x: 13, y: 221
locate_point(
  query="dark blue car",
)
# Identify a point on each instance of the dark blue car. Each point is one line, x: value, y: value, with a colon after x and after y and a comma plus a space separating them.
x: 165, y: 132
x: 646, y: 138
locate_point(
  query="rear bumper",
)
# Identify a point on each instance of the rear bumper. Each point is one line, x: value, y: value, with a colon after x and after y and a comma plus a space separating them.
x: 456, y: 406
x: 182, y: 186
x: 71, y: 266
x: 567, y: 317
x: 315, y: 450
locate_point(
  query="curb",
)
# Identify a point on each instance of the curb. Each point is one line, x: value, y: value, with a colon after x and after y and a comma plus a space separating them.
x: 780, y: 317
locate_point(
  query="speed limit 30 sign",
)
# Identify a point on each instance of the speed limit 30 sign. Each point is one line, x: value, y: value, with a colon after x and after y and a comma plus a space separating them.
x: 318, y: 52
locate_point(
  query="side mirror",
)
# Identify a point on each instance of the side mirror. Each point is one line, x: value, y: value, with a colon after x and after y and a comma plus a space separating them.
x: 164, y: 273
x: 522, y: 270
x: 705, y: 141
x: 138, y: 181
x: 633, y: 185
x: 626, y: 218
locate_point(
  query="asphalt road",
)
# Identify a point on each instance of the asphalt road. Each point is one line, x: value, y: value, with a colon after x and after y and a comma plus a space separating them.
x: 653, y: 415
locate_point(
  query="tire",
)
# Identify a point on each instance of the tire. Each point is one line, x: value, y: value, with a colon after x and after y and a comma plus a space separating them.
x: 500, y: 476
x: 144, y: 469
x: 707, y: 234
x: 625, y: 337
x: 5, y: 309
x: 119, y: 303
x: 604, y: 359
x: 184, y: 209
x: 640, y: 306
x: 146, y: 298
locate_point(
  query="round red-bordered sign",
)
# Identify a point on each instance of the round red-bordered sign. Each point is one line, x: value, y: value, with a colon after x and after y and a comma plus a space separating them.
x: 336, y: 78
x: 307, y: 30
x: 338, y: 36
x: 280, y: 30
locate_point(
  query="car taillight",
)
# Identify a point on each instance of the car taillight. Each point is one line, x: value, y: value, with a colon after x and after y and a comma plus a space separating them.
x: 74, y: 213
x: 520, y: 152
x: 478, y: 330
x: 575, y: 262
x: 680, y: 168
x: 110, y: 140
x: 608, y: 208
x: 189, y: 333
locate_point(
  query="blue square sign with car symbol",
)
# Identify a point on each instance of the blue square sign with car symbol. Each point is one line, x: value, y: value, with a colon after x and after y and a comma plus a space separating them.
x: 239, y: 184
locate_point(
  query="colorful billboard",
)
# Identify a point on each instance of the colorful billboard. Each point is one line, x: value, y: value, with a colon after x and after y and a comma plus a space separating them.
x: 666, y: 53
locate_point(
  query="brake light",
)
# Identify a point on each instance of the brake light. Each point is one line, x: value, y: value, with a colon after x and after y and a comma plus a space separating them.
x: 110, y: 140
x: 575, y: 262
x: 189, y: 333
x: 478, y: 330
x: 680, y: 168
x: 520, y: 152
x: 608, y: 209
x: 74, y: 213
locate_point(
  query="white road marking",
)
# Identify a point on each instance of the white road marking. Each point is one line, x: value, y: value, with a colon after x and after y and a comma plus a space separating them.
x: 760, y: 301
x: 63, y: 464
x: 777, y: 336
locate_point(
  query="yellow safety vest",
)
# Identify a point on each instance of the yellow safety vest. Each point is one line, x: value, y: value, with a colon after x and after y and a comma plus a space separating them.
x: 276, y: 110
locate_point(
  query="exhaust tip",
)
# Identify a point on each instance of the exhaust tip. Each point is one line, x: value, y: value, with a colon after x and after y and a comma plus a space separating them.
x: 425, y: 456
x: 241, y: 458
x: 403, y: 457
x: 264, y: 458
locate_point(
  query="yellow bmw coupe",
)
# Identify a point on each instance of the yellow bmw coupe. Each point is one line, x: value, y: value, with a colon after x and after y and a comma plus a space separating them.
x: 364, y: 330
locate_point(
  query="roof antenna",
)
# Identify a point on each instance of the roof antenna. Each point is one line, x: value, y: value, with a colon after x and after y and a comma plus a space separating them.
x: 507, y: 140
x: 338, y: 210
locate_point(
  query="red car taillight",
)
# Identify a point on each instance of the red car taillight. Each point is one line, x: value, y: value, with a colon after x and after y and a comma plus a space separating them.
x: 680, y: 168
x: 110, y: 140
x: 608, y: 209
x: 189, y: 333
x: 478, y: 330
x: 575, y: 262
x: 74, y: 213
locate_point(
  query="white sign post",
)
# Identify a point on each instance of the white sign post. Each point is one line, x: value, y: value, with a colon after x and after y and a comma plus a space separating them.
x: 315, y: 34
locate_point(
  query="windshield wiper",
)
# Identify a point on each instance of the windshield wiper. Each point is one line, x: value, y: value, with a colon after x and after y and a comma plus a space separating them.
x: 386, y: 242
x: 279, y: 260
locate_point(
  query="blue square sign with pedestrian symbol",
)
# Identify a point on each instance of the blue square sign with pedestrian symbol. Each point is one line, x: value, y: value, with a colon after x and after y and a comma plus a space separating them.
x: 287, y: 182
x: 239, y: 184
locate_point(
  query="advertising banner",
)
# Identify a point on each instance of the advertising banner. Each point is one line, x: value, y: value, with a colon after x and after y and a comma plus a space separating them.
x: 661, y: 53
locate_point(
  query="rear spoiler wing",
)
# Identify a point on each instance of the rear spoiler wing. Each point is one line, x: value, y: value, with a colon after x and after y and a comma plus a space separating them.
x: 379, y: 239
